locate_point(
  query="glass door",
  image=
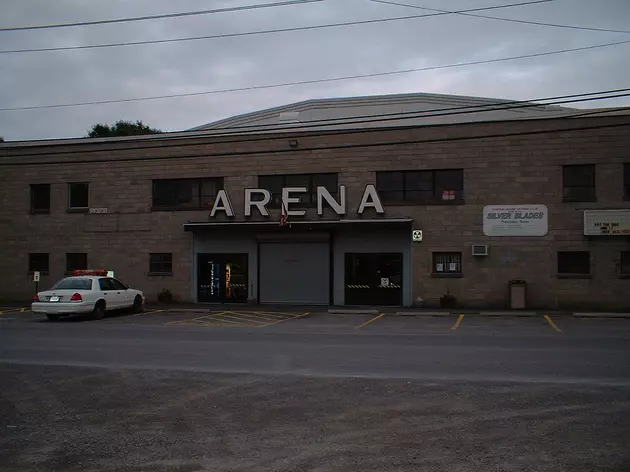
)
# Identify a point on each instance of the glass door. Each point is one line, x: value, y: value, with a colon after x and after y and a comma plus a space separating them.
x: 373, y: 279
x: 222, y: 278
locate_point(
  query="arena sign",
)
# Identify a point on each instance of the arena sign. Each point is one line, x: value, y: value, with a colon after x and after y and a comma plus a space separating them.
x: 259, y: 198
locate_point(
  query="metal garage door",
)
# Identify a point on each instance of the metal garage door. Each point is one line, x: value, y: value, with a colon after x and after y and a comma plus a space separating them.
x: 295, y: 273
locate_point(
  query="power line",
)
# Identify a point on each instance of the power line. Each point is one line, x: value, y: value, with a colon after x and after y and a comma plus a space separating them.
x: 315, y: 81
x: 253, y: 33
x: 538, y: 23
x: 427, y: 113
x: 310, y: 149
x: 168, y: 15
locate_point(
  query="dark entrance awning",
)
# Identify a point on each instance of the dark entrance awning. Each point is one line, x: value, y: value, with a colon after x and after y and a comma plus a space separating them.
x: 380, y: 223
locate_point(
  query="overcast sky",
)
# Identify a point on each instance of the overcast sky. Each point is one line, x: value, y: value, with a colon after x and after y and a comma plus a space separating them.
x: 45, y: 78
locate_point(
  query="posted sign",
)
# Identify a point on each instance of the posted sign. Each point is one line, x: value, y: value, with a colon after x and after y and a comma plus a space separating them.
x: 607, y: 222
x: 515, y: 220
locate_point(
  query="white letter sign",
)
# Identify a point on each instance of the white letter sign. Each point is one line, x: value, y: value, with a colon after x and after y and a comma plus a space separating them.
x: 370, y: 199
x: 286, y: 199
x: 324, y: 194
x: 515, y: 220
x: 222, y: 203
x: 261, y: 204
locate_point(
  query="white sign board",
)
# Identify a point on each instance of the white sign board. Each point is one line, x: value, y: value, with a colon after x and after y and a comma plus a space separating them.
x: 110, y: 273
x: 416, y: 235
x: 515, y: 220
x: 607, y: 222
x: 384, y: 281
x: 98, y: 210
x: 36, y: 276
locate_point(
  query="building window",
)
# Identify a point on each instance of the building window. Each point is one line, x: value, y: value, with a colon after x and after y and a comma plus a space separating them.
x: 275, y: 184
x: 40, y: 198
x: 38, y: 261
x: 574, y: 262
x: 78, y: 195
x: 578, y: 182
x: 624, y: 268
x: 421, y: 186
x: 76, y: 261
x: 626, y: 181
x: 161, y: 263
x: 186, y: 194
x: 447, y: 262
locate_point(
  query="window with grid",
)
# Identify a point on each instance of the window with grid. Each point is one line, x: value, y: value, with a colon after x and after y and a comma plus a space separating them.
x: 626, y: 181
x: 186, y: 194
x: 624, y: 268
x: 79, y: 195
x: 40, y: 198
x: 447, y: 262
x: 574, y: 262
x: 76, y: 261
x: 161, y: 263
x: 578, y: 183
x: 275, y: 184
x: 38, y: 261
x: 421, y: 186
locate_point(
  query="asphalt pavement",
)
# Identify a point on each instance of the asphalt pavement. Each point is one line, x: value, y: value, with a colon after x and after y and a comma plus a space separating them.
x: 285, y: 391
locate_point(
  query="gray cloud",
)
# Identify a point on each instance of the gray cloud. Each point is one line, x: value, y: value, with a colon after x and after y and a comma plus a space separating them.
x: 101, y: 74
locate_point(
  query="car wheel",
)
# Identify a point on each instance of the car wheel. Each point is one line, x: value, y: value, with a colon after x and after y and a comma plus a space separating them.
x: 52, y: 317
x: 99, y: 310
x: 137, y: 305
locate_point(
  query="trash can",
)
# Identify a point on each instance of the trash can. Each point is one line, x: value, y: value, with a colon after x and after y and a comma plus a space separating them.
x: 518, y: 289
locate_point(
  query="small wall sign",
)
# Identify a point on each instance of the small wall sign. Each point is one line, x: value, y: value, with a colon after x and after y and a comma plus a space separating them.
x: 416, y: 235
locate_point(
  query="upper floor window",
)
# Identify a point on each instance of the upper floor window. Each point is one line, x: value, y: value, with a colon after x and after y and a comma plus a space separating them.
x: 574, y: 262
x: 421, y: 186
x: 161, y: 263
x: 78, y: 195
x: 447, y: 262
x: 186, y: 193
x: 578, y: 182
x: 40, y: 198
x: 624, y: 267
x: 38, y: 261
x: 275, y: 184
x: 626, y: 181
x: 76, y: 261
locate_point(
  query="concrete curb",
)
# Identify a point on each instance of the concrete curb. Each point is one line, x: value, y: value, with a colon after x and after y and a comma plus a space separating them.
x: 367, y: 311
x: 601, y: 315
x: 464, y: 312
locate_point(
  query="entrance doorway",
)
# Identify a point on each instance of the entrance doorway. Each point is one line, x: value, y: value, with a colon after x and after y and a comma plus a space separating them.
x: 222, y: 278
x: 373, y: 279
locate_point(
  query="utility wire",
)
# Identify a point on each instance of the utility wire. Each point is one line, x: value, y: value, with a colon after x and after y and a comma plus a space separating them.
x: 262, y: 32
x: 284, y: 150
x: 315, y: 81
x: 156, y: 17
x: 216, y: 133
x: 538, y: 23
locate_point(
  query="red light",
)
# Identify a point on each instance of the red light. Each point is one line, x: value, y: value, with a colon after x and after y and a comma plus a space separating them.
x: 76, y: 298
x: 35, y: 298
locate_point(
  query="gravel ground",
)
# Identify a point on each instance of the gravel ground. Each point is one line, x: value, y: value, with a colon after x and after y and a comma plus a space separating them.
x: 79, y: 419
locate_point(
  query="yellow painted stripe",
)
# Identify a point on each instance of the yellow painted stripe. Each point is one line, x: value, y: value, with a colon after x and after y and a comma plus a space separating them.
x: 370, y: 321
x: 222, y: 320
x: 274, y: 314
x: 240, y: 318
x: 12, y: 310
x: 282, y: 320
x: 460, y: 318
x: 187, y: 319
x: 146, y: 313
x: 552, y: 324
x: 257, y: 317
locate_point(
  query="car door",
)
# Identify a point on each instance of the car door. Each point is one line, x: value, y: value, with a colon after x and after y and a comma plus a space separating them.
x: 125, y: 296
x: 112, y: 298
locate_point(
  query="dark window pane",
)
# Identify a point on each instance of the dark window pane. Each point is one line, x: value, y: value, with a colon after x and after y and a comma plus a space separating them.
x: 579, y: 175
x: 329, y: 181
x: 447, y: 262
x: 300, y: 180
x: 209, y: 190
x: 578, y: 194
x: 106, y: 284
x: 73, y: 284
x: 76, y: 261
x: 186, y: 193
x: 390, y: 181
x: 626, y: 181
x: 574, y: 262
x: 40, y: 198
x: 625, y: 263
x: 274, y: 184
x: 419, y: 180
x: 161, y: 263
x: 78, y: 195
x: 38, y: 262
x: 118, y: 285
x: 449, y: 184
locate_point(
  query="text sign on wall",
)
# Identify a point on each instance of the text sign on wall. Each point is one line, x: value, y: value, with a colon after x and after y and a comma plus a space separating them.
x: 515, y: 220
x: 607, y: 222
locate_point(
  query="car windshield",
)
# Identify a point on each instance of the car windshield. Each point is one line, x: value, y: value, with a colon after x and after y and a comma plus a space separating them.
x: 73, y: 284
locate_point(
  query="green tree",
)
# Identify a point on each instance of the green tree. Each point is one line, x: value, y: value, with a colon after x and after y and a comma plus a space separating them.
x: 121, y: 128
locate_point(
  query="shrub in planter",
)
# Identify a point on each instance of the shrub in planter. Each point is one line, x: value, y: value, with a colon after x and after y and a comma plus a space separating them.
x: 165, y: 296
x: 447, y: 300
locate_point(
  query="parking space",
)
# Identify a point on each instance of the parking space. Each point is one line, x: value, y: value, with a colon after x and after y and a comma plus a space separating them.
x: 237, y: 319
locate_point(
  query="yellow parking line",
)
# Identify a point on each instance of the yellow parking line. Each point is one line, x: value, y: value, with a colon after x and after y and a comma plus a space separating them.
x: 284, y: 319
x: 237, y: 316
x: 13, y: 310
x: 187, y: 319
x: 212, y: 317
x: 273, y: 315
x: 460, y: 318
x: 146, y: 313
x: 253, y: 317
x: 552, y: 324
x: 371, y: 320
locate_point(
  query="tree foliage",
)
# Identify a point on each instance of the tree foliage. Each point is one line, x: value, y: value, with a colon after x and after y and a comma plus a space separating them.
x: 121, y: 128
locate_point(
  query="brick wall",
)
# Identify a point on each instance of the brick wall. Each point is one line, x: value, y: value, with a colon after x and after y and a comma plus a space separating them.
x: 514, y: 169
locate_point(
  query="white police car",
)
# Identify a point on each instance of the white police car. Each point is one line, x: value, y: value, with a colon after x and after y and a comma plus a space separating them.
x: 87, y: 292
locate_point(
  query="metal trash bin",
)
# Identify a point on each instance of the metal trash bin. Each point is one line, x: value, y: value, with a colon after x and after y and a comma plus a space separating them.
x: 518, y: 294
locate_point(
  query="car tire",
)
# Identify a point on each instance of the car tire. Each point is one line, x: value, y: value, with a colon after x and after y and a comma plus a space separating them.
x: 99, y: 310
x: 52, y: 317
x: 137, y: 306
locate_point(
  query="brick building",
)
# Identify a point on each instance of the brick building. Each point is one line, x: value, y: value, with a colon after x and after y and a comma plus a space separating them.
x: 419, y: 205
